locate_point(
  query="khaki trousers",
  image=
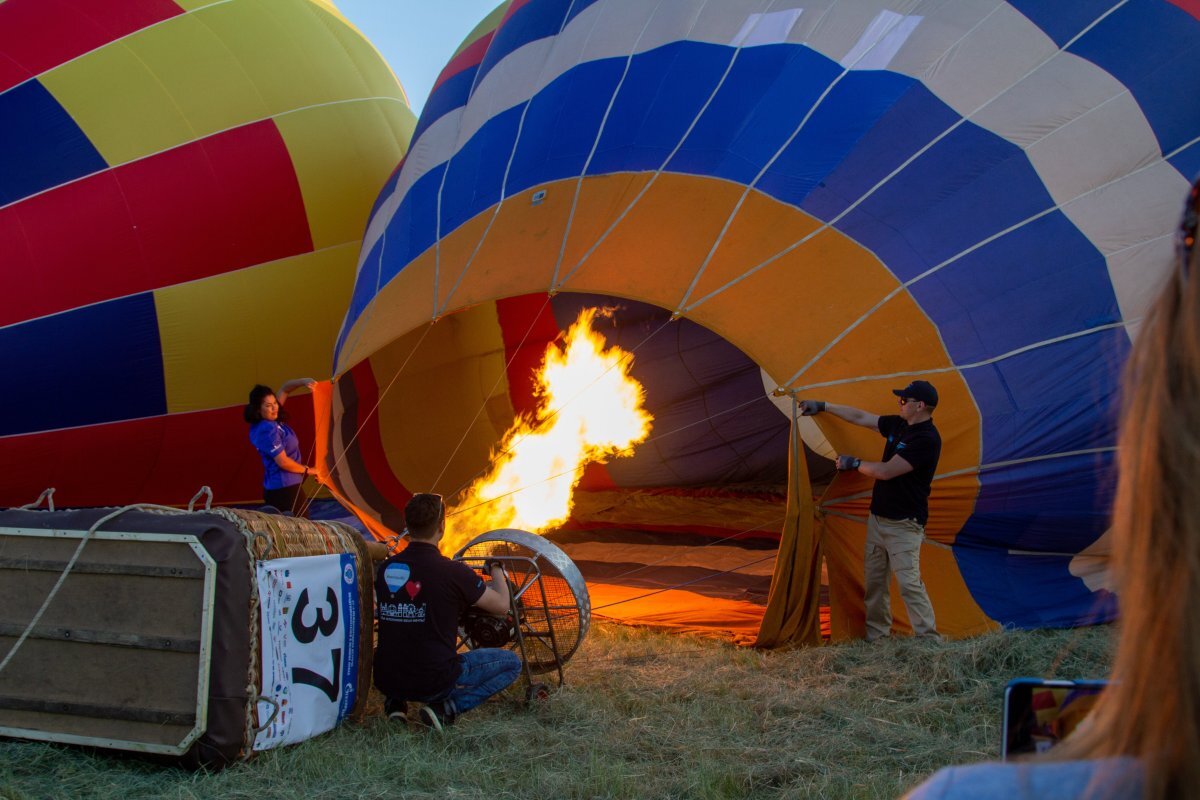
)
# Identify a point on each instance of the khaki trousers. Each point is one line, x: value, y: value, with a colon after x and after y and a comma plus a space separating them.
x: 894, y: 545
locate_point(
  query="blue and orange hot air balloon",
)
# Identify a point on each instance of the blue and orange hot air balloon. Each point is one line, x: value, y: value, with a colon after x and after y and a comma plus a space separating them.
x: 846, y: 196
x: 183, y: 191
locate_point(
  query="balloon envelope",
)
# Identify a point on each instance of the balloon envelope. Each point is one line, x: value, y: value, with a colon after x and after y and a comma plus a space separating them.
x: 977, y: 194
x: 183, y: 191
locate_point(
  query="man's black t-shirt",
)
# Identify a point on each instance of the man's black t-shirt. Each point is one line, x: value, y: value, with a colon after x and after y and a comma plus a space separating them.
x: 907, y: 496
x: 421, y: 595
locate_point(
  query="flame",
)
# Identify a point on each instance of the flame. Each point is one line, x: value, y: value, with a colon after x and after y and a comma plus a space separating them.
x: 589, y: 409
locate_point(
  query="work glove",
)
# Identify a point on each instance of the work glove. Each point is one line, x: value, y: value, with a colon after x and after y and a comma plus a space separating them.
x: 810, y: 407
x: 848, y: 463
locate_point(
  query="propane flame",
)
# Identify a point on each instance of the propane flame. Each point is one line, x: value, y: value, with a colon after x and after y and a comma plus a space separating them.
x: 589, y: 409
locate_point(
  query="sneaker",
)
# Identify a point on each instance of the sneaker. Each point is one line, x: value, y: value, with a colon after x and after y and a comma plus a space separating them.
x: 396, y: 710
x: 438, y: 715
x: 430, y: 718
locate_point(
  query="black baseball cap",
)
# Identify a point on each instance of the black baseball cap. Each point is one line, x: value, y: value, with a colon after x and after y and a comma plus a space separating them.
x: 919, y: 390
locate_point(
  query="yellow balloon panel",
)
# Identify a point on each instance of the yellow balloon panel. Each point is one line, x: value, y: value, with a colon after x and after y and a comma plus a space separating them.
x: 444, y: 383
x: 215, y: 68
x: 218, y: 333
x: 340, y: 183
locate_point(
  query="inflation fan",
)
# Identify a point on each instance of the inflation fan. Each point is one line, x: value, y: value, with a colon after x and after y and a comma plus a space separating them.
x: 550, y: 605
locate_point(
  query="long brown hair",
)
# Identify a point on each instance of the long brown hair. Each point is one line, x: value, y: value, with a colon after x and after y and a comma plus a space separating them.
x: 1151, y: 710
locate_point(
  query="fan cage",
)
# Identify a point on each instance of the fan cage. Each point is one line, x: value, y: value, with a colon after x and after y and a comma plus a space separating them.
x: 554, y: 609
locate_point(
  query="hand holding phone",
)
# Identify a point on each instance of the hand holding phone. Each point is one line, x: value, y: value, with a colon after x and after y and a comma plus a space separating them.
x: 1038, y: 713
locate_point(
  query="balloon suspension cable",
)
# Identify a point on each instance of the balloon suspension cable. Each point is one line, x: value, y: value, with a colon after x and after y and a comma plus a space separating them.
x: 482, y: 406
x: 308, y: 499
x: 71, y: 565
x: 685, y: 584
x: 681, y: 550
x: 342, y: 456
x: 625, y: 450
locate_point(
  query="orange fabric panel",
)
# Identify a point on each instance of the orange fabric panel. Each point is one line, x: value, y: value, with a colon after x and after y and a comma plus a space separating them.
x: 322, y: 394
x: 898, y: 332
x: 793, y: 611
x: 403, y: 305
x: 522, y: 234
x: 731, y: 558
x: 602, y: 198
x: 816, y: 289
x: 661, y: 237
x: 957, y: 613
x: 678, y: 610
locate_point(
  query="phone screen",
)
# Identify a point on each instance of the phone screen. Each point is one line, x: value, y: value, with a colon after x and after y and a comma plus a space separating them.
x: 1038, y: 714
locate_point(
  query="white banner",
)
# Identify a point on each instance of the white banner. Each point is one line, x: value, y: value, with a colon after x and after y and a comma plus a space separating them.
x: 310, y: 627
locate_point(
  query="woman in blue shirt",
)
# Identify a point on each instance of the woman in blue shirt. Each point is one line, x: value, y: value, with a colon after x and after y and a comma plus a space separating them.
x: 276, y: 442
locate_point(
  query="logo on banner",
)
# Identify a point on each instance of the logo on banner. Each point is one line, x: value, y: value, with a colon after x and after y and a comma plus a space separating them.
x: 309, y: 639
x: 395, y: 576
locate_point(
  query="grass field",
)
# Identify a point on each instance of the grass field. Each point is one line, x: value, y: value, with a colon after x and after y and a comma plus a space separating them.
x: 644, y: 715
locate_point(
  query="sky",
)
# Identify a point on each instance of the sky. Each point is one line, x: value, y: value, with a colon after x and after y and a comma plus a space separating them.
x: 416, y: 37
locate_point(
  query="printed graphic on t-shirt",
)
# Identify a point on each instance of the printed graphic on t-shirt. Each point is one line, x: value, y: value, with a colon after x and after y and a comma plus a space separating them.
x: 396, y: 577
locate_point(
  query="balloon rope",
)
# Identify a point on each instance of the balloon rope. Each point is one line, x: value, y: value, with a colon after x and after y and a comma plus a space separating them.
x: 623, y: 450
x: 466, y: 432
x: 675, y: 150
x: 83, y: 540
x: 342, y: 456
x: 686, y: 583
x: 974, y: 365
x: 567, y: 15
x: 308, y: 499
x: 681, y: 550
x: 981, y: 468
x: 562, y: 248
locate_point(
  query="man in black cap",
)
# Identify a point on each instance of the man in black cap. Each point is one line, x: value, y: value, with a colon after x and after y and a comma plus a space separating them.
x: 899, y: 502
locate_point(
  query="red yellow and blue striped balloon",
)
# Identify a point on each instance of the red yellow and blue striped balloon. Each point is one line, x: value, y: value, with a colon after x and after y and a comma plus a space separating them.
x: 183, y: 190
x: 850, y: 194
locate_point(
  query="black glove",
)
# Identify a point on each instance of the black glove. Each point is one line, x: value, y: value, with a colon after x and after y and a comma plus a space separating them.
x: 848, y: 463
x: 810, y: 407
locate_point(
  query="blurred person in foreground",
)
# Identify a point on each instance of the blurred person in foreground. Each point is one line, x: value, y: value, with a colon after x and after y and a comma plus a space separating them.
x: 1143, y: 738
x: 421, y: 595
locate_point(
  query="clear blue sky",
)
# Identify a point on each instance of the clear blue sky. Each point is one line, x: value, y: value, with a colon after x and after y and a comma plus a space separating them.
x: 417, y: 37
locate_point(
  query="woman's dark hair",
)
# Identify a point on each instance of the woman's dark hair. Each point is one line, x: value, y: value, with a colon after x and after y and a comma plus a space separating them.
x: 253, y: 410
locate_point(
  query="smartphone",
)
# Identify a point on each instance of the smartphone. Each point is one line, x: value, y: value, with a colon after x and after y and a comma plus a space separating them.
x: 1038, y: 713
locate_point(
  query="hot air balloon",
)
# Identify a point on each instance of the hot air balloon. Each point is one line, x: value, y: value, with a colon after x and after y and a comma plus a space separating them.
x: 183, y: 191
x: 837, y: 198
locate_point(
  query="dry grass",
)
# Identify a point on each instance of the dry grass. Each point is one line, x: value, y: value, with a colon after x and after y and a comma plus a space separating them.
x: 645, y: 715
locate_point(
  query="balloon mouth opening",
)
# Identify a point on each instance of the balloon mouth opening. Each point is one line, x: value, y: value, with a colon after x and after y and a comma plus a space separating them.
x: 445, y: 394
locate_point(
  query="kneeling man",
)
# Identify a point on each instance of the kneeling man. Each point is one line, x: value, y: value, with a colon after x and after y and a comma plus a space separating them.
x: 421, y: 595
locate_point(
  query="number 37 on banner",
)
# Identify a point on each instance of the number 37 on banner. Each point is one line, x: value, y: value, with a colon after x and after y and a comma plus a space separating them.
x: 309, y: 640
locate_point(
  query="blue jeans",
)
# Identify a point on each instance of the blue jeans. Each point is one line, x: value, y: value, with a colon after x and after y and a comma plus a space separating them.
x: 485, y: 672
